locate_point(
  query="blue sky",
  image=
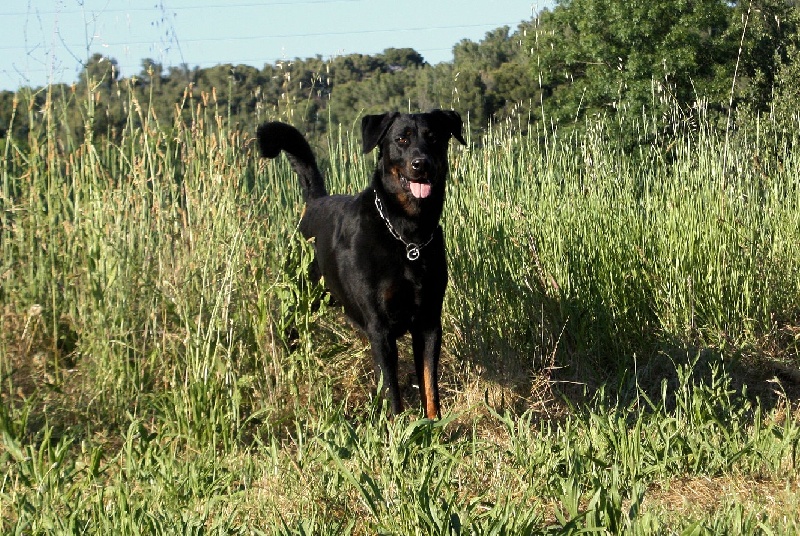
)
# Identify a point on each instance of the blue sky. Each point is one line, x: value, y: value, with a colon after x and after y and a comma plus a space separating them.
x: 45, y: 40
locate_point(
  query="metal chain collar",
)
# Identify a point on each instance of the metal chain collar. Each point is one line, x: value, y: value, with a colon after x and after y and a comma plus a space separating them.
x: 412, y: 249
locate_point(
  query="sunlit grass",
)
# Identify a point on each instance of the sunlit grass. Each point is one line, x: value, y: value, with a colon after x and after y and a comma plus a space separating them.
x: 613, y: 326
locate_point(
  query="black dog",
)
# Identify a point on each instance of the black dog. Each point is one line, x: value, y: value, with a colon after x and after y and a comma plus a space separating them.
x: 381, y: 252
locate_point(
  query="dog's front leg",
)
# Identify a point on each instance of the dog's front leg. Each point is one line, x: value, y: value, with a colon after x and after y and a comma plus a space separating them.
x: 427, y: 346
x: 384, y: 355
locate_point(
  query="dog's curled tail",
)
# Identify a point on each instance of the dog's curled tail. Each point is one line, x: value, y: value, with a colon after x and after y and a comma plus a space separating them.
x: 276, y: 136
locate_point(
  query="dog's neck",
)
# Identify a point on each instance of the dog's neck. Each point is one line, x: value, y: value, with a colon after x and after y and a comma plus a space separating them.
x: 413, y: 249
x: 414, y: 219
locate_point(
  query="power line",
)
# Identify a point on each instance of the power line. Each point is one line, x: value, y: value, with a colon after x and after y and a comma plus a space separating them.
x: 176, y: 9
x: 293, y: 36
x: 125, y: 52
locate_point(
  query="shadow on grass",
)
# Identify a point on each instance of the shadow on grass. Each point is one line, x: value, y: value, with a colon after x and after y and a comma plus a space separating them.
x: 577, y: 348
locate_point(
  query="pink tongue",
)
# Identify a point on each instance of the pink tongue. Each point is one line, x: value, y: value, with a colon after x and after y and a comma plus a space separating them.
x: 420, y: 189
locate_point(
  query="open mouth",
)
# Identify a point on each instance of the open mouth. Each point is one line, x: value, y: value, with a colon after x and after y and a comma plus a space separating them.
x: 418, y: 189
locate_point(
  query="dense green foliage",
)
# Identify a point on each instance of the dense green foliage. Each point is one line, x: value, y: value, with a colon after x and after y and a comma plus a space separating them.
x: 605, y: 55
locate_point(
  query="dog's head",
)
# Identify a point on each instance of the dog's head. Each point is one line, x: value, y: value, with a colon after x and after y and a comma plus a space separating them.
x: 413, y: 153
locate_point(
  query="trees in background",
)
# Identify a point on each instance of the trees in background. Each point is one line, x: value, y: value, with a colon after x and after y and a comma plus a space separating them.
x: 584, y: 58
x: 602, y: 56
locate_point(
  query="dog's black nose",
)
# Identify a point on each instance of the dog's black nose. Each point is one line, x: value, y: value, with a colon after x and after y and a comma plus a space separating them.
x: 419, y: 164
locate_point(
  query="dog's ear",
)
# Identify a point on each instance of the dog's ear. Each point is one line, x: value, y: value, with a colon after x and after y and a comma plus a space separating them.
x: 452, y: 123
x: 374, y: 127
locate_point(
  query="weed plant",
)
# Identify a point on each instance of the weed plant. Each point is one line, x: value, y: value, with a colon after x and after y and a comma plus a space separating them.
x: 620, y: 350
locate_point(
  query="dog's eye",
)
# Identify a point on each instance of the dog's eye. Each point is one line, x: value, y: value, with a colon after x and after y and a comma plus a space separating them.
x: 430, y: 137
x: 401, y: 140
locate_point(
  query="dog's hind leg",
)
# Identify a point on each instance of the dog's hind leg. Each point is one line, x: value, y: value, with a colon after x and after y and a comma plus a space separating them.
x: 427, y: 345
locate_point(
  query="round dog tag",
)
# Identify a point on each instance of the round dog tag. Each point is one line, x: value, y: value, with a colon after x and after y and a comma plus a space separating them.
x: 412, y: 251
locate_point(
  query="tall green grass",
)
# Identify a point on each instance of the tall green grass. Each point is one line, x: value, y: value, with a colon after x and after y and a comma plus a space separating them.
x: 580, y: 249
x: 611, y: 321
